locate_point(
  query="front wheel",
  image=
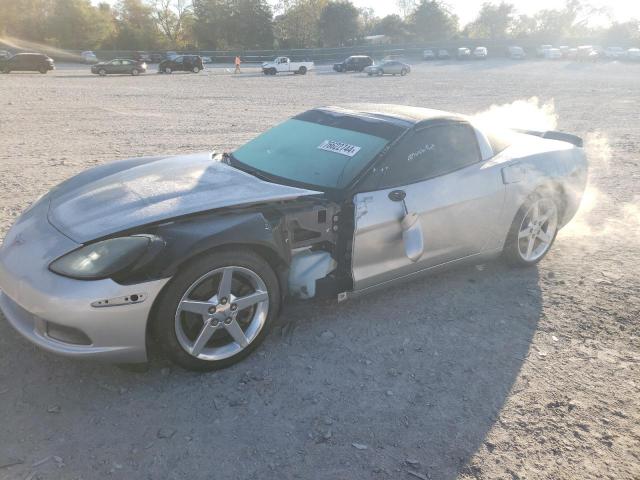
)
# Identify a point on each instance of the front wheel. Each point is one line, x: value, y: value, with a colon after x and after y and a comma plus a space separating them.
x: 403, y: 72
x: 102, y: 72
x: 167, y: 69
x: 43, y: 70
x: 533, y: 231
x: 380, y: 73
x: 135, y: 72
x: 217, y: 310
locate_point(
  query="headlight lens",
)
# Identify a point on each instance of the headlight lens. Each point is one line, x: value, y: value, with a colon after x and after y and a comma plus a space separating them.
x: 102, y: 259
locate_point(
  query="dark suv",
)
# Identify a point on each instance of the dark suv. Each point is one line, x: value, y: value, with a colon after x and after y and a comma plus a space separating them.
x: 356, y: 63
x: 27, y: 62
x: 181, y: 63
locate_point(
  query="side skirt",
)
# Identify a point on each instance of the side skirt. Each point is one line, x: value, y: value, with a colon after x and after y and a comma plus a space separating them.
x: 489, y: 255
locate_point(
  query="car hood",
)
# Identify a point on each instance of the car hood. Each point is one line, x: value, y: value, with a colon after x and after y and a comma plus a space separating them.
x: 137, y: 192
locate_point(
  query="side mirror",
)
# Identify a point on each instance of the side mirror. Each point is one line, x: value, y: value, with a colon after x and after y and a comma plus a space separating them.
x: 412, y: 235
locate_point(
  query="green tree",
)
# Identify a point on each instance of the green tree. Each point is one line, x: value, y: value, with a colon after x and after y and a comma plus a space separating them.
x: 339, y: 24
x: 432, y: 20
x: 76, y: 24
x: 298, y: 26
x: 394, y: 27
x: 136, y: 27
x: 493, y: 22
x: 174, y: 20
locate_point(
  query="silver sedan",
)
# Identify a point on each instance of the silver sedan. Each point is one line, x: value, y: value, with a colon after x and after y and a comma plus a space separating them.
x: 391, y: 67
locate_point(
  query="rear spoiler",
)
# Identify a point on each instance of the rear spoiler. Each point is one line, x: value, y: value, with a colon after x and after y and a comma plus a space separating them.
x: 555, y: 135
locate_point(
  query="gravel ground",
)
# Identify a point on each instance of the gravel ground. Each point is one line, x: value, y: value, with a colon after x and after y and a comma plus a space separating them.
x: 481, y: 372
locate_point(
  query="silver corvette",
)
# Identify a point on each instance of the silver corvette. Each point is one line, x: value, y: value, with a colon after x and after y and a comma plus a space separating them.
x: 198, y: 252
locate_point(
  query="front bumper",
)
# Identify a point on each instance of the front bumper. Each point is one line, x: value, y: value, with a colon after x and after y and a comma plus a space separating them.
x: 56, y: 312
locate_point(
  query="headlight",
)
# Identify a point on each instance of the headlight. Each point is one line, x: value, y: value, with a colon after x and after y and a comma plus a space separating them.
x: 106, y: 258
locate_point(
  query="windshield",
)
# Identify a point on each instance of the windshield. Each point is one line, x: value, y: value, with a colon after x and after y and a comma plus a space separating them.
x: 311, y: 153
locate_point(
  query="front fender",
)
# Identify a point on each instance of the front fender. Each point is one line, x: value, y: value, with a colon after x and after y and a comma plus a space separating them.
x: 188, y: 238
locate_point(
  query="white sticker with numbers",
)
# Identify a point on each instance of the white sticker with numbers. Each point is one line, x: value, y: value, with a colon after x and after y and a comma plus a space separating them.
x: 339, y: 147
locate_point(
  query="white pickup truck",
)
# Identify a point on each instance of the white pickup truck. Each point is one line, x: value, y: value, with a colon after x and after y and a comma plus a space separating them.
x: 284, y: 64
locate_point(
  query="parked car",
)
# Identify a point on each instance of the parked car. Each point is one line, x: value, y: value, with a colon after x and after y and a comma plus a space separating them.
x: 142, y: 57
x: 285, y: 65
x: 89, y: 57
x: 206, y: 59
x: 463, y: 53
x: 516, y: 53
x: 443, y: 54
x: 392, y: 67
x: 586, y: 53
x: 199, y: 251
x: 119, y: 66
x: 614, y: 53
x: 480, y: 53
x: 552, y: 54
x: 355, y: 63
x: 429, y: 54
x: 156, y: 57
x: 541, y: 49
x: 27, y: 62
x: 633, y: 54
x: 181, y: 63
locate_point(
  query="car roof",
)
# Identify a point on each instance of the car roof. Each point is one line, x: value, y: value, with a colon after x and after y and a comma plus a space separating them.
x: 401, y: 115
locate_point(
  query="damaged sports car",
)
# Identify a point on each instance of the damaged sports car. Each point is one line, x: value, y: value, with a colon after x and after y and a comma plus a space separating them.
x: 198, y: 252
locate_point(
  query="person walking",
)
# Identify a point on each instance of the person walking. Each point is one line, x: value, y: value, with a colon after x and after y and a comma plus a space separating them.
x: 238, y: 62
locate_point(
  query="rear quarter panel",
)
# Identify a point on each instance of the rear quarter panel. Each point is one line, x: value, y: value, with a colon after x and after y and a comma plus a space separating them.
x: 531, y: 164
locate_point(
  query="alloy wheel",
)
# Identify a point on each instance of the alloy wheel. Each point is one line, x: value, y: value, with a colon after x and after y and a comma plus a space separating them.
x: 537, y: 230
x: 221, y: 313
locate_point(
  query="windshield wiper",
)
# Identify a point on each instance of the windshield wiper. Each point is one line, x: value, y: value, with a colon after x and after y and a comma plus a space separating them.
x: 229, y: 159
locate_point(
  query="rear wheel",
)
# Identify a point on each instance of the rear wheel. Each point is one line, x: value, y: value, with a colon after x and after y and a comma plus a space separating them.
x: 195, y: 69
x: 533, y: 230
x: 167, y: 70
x: 302, y: 70
x: 217, y: 310
x: 403, y: 72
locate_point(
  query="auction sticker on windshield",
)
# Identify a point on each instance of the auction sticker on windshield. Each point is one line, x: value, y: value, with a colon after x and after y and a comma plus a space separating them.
x: 339, y: 147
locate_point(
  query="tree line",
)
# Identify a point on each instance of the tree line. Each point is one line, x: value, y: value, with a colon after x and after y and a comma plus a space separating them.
x: 256, y: 24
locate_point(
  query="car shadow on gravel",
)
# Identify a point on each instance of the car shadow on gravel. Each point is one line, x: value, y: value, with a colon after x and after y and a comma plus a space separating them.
x: 410, y: 378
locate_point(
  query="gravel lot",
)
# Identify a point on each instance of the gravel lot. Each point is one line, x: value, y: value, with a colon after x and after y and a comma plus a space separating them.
x: 482, y: 372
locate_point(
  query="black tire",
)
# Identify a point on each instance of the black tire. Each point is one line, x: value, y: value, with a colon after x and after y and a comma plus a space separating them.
x: 195, y: 69
x: 380, y: 73
x: 403, y: 72
x: 43, y: 70
x: 163, y: 326
x: 511, y: 251
x: 302, y: 70
x: 273, y: 71
x: 135, y: 72
x: 167, y: 70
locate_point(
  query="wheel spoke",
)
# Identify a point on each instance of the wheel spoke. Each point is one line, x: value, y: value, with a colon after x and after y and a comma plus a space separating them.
x: 530, y: 245
x: 524, y: 234
x: 251, y: 299
x: 203, y: 337
x: 224, y: 289
x: 195, y: 306
x: 544, y: 236
x: 236, y: 333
